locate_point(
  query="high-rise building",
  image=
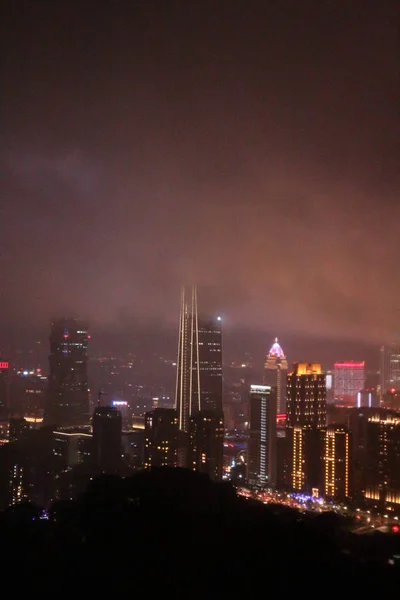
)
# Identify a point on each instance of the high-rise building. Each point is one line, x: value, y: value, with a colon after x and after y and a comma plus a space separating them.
x: 336, y: 442
x: 306, y: 418
x: 348, y: 380
x: 206, y: 443
x: 306, y: 396
x: 4, y: 388
x: 126, y: 412
x: 161, y: 438
x: 107, y: 438
x: 67, y: 402
x: 262, y: 436
x: 275, y: 369
x: 383, y: 457
x: 389, y: 369
x: 199, y: 362
x: 72, y: 447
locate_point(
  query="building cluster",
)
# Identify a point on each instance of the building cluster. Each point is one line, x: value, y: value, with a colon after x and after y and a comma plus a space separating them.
x: 357, y: 457
x: 192, y: 434
x: 332, y: 434
x: 53, y: 457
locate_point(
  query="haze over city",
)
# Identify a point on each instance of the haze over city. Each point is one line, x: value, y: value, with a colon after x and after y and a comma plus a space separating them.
x: 145, y: 147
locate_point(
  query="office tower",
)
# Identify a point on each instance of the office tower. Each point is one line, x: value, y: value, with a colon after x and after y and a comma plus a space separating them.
x: 306, y: 417
x: 275, y: 369
x: 161, y: 438
x: 18, y: 429
x: 358, y: 425
x: 262, y: 436
x: 72, y: 447
x: 199, y: 362
x: 367, y: 398
x: 27, y: 393
x: 206, y: 443
x: 126, y: 412
x: 67, y: 402
x: 348, y: 380
x: 306, y: 396
x: 383, y: 457
x: 107, y: 438
x: 133, y: 448
x: 389, y: 369
x: 336, y: 443
x: 4, y: 388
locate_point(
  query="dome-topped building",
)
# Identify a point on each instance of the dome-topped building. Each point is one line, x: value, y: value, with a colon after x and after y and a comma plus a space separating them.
x: 275, y: 363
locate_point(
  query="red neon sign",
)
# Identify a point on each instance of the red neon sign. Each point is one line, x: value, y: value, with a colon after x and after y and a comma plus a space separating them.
x: 4, y: 365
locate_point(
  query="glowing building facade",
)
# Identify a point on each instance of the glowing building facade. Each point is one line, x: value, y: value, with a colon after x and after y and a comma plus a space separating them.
x: 383, y: 458
x: 199, y: 362
x: 306, y: 396
x: 348, y: 380
x: 262, y: 436
x: 306, y: 419
x: 336, y: 462
x: 274, y: 374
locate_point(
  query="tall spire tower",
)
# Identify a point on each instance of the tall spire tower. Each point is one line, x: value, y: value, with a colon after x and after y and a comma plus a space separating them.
x: 275, y: 363
x: 188, y: 364
x: 199, y: 362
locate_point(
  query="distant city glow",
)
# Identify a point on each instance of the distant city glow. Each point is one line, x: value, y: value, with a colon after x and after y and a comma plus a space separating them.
x: 350, y: 365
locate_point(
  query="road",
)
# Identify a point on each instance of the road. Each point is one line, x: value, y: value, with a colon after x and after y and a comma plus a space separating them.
x: 365, y: 521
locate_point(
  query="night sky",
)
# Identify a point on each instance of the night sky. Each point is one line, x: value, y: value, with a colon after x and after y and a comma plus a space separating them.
x: 251, y: 147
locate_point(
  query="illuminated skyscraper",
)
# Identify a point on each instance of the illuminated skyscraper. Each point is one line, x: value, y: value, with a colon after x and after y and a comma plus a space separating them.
x: 199, y: 362
x: 262, y: 436
x: 206, y: 443
x: 383, y: 457
x: 336, y: 457
x: 306, y: 396
x: 67, y: 402
x: 348, y: 380
x: 390, y: 368
x: 275, y: 363
x: 306, y: 418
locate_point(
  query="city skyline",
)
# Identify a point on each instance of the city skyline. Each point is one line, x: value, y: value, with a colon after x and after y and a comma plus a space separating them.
x: 200, y: 296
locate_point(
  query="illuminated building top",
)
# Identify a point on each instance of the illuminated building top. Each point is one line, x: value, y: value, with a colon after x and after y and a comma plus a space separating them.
x: 276, y: 351
x: 276, y: 357
x: 307, y: 369
x: 275, y: 363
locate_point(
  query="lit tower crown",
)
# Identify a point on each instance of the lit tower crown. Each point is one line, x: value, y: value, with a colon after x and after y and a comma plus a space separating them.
x: 275, y: 363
